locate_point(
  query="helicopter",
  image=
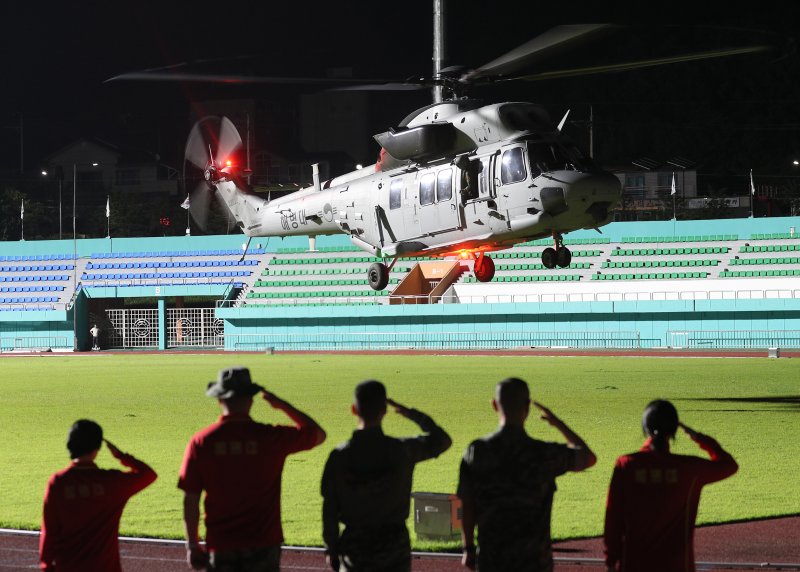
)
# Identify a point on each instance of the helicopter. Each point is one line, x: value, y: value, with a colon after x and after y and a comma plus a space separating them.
x: 455, y: 178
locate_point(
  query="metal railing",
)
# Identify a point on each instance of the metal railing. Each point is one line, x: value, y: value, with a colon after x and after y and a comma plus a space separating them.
x: 35, y: 343
x: 733, y: 339
x: 33, y: 306
x: 436, y: 341
x: 129, y: 282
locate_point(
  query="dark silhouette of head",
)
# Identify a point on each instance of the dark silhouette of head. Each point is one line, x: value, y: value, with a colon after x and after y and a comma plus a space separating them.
x: 660, y: 421
x: 512, y: 399
x: 84, y: 437
x: 370, y: 401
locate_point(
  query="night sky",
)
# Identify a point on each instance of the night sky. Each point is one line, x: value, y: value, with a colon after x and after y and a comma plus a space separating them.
x: 729, y: 115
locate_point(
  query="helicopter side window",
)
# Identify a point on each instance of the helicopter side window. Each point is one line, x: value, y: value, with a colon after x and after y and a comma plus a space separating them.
x: 483, y: 180
x: 427, y: 183
x: 444, y: 185
x: 395, y: 194
x: 512, y: 169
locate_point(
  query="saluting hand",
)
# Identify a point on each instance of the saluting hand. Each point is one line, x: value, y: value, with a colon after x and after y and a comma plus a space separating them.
x: 547, y: 415
x: 693, y: 435
x: 116, y: 453
x: 272, y: 399
x: 401, y: 409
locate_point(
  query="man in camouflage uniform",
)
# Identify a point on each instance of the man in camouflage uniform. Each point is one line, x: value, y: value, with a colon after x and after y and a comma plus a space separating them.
x: 366, y: 486
x: 506, y: 485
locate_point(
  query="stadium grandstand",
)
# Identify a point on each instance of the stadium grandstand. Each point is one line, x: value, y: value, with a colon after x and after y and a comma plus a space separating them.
x: 687, y: 284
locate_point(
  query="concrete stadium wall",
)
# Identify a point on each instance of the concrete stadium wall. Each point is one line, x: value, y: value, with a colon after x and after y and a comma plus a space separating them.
x: 644, y: 324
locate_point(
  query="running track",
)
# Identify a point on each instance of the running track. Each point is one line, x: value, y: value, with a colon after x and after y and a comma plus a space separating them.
x: 763, y: 545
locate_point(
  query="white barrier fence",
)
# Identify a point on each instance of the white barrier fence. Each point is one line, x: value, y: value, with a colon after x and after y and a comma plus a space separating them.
x: 435, y: 341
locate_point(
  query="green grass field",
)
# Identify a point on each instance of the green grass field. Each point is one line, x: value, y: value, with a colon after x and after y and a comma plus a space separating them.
x: 150, y: 405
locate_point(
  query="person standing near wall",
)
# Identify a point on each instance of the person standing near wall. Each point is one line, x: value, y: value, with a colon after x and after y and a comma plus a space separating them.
x: 95, y: 331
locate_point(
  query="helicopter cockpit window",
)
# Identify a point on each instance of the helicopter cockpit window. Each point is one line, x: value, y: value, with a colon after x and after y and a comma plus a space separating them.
x: 512, y: 169
x: 549, y: 156
x: 444, y: 185
x: 395, y: 194
x: 427, y: 183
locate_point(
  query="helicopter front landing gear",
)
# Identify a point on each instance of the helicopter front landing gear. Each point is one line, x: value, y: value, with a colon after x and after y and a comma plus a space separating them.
x: 559, y: 256
x: 378, y: 276
x: 484, y: 268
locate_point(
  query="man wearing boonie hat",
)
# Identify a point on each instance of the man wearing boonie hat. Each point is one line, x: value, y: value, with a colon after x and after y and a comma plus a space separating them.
x: 238, y: 463
x: 83, y: 505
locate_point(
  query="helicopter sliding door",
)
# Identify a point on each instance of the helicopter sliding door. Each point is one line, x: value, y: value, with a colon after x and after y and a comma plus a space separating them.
x: 438, y: 208
x: 392, y: 212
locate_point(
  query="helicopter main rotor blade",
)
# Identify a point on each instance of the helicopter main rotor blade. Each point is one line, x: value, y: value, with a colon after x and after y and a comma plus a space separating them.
x: 199, y: 204
x: 236, y: 79
x: 388, y: 86
x: 540, y: 47
x: 229, y: 141
x: 196, y: 151
x: 640, y: 64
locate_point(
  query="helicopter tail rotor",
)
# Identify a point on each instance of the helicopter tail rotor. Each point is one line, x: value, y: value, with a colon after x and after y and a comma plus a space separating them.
x: 211, y: 158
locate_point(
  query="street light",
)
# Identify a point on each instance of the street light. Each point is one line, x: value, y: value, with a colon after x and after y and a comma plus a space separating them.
x: 60, y: 176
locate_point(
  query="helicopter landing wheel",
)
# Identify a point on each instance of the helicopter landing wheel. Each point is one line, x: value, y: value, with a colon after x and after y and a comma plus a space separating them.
x: 484, y: 268
x: 549, y: 257
x: 563, y: 257
x: 378, y: 276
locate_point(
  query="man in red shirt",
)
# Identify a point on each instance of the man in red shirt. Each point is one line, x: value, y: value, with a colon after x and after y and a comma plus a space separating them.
x: 653, y: 497
x: 83, y: 505
x: 238, y: 463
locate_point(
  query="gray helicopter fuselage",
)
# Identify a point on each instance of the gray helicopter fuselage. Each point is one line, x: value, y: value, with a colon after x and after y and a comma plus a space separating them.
x: 481, y: 178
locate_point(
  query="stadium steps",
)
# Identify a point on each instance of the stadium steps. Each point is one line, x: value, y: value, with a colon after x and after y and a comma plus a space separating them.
x: 325, y: 276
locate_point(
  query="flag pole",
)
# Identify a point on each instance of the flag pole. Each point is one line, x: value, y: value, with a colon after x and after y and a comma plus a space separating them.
x: 752, y: 195
x: 186, y: 204
x: 108, y: 216
x: 674, y: 211
x: 22, y: 219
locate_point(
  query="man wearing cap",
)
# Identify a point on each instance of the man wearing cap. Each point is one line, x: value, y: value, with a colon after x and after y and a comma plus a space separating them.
x: 654, y: 495
x: 83, y: 505
x: 238, y: 463
x: 366, y: 485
